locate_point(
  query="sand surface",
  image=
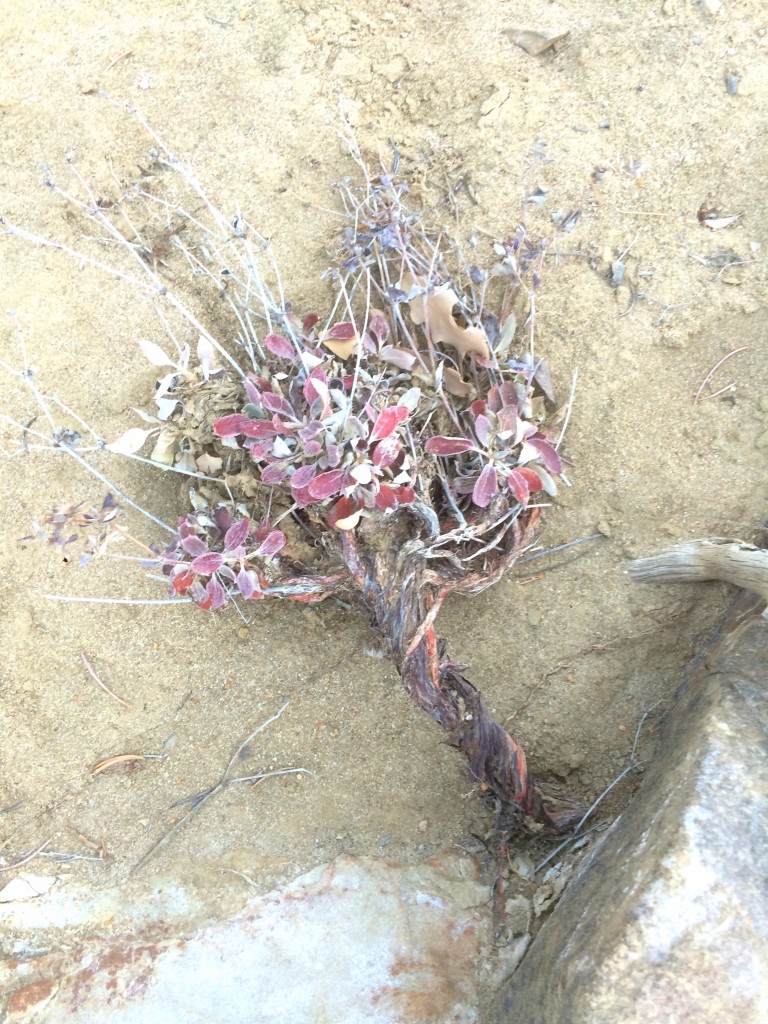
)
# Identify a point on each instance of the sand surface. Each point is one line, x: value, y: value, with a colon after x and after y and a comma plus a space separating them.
x: 629, y: 122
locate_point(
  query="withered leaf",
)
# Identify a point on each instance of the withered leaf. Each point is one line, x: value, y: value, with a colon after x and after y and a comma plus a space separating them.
x: 535, y: 43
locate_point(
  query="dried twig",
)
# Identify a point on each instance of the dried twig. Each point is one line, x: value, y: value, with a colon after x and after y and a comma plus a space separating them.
x: 103, y: 685
x: 631, y: 767
x: 715, y: 368
x: 26, y: 859
x: 225, y: 780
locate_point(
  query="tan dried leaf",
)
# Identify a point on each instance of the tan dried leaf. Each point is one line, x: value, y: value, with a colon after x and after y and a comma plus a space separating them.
x: 535, y: 43
x: 435, y: 313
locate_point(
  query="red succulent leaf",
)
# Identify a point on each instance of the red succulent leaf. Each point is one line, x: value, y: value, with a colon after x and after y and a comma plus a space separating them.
x: 379, y: 327
x: 547, y: 453
x: 387, y: 451
x: 448, y: 445
x: 259, y: 449
x: 387, y: 422
x: 259, y: 429
x: 532, y: 479
x: 222, y: 518
x: 206, y: 563
x: 231, y: 424
x: 518, y: 484
x: 236, y: 535
x: 280, y: 346
x: 309, y: 322
x: 485, y: 488
x: 193, y: 545
x: 341, y: 332
x: 182, y: 581
x: 272, y: 543
x: 393, y: 497
x: 344, y: 508
x: 327, y: 484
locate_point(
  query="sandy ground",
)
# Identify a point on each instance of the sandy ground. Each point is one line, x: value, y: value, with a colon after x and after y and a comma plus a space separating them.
x: 630, y: 122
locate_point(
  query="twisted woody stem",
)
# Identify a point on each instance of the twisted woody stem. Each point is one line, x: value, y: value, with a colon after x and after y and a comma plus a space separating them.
x: 403, y: 599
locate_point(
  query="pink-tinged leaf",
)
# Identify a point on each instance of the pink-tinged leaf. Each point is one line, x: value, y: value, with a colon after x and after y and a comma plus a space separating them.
x: 215, y: 593
x: 274, y: 474
x: 312, y: 448
x: 129, y: 442
x: 247, y: 582
x: 304, y: 475
x: 309, y: 322
x: 387, y: 422
x: 387, y: 451
x: 259, y: 450
x: 341, y: 332
x: 510, y: 393
x: 252, y: 392
x: 280, y: 346
x: 278, y: 404
x: 332, y: 455
x: 393, y: 497
x: 485, y: 489
x: 345, y: 514
x: 317, y: 395
x: 494, y: 400
x: 399, y: 357
x: 230, y: 425
x: 370, y: 344
x: 379, y: 327
x: 518, y: 484
x: 548, y: 454
x: 482, y: 429
x: 507, y: 417
x: 448, y: 445
x: 236, y: 535
x: 311, y: 430
x: 300, y: 482
x: 199, y: 596
x: 209, y: 562
x: 194, y: 545
x: 327, y: 484
x: 271, y: 544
